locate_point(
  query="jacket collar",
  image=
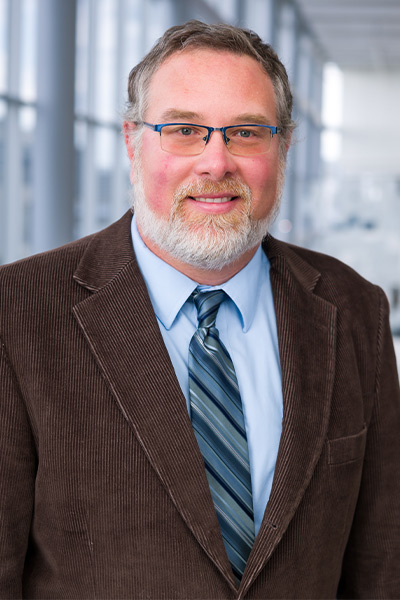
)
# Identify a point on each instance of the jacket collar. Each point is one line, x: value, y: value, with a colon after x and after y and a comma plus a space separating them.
x: 108, y: 252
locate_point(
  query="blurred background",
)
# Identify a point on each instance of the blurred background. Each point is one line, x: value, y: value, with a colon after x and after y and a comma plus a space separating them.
x: 63, y: 167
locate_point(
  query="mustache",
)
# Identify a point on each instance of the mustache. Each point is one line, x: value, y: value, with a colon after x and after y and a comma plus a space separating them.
x: 229, y: 185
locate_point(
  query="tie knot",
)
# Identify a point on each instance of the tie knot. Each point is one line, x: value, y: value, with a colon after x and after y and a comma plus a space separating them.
x: 207, y: 304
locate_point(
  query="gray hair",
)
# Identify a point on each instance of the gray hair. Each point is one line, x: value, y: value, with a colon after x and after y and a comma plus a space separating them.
x: 218, y: 37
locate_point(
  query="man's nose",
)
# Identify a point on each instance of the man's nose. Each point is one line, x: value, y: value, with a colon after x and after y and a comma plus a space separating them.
x: 216, y: 161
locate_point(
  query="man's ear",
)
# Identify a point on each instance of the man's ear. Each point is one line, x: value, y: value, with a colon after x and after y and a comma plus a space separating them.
x: 288, y: 142
x: 128, y: 129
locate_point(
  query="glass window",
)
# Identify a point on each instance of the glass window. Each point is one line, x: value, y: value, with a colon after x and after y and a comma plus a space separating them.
x: 105, y: 145
x: 105, y: 102
x: 82, y: 57
x: 158, y: 15
x: 81, y: 141
x: 227, y: 9
x: 3, y: 198
x: 3, y: 44
x: 27, y: 123
x: 133, y: 41
x: 3, y: 115
x: 28, y: 72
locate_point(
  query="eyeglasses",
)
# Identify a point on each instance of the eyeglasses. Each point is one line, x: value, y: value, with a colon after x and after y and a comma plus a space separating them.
x: 189, y: 139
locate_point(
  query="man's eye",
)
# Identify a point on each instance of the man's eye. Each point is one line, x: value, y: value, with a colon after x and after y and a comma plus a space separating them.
x: 186, y: 131
x: 249, y: 133
x: 241, y: 133
x: 178, y: 130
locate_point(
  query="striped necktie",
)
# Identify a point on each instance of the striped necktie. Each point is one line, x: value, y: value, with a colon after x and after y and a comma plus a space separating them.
x: 218, y: 423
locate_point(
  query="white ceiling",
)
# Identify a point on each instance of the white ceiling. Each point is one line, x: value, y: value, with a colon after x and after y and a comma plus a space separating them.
x: 356, y: 34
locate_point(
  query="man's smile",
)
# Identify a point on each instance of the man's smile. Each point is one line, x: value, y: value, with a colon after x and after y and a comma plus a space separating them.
x: 213, y: 199
x: 214, y: 204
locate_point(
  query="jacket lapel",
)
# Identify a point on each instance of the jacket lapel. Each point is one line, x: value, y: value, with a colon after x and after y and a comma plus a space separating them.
x: 307, y: 334
x: 122, y: 331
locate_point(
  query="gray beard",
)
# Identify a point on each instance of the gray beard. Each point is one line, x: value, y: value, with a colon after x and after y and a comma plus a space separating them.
x: 208, y: 242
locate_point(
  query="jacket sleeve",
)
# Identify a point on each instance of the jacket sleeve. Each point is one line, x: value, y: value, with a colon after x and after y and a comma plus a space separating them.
x: 371, y: 566
x: 17, y: 481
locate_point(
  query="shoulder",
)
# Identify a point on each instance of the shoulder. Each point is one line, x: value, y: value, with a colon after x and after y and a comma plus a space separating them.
x: 37, y: 293
x: 98, y: 252
x: 328, y: 267
x: 41, y: 270
x: 327, y: 277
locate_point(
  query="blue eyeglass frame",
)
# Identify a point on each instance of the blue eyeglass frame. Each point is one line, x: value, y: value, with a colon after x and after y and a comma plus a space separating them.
x: 158, y: 127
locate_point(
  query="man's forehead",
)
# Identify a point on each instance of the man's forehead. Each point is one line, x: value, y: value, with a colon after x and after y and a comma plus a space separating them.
x: 187, y: 55
x: 203, y: 73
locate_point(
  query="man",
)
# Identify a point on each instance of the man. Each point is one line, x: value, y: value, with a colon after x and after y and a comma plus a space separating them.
x: 162, y: 438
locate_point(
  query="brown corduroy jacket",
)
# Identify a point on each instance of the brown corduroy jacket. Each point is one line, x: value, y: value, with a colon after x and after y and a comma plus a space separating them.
x: 103, y: 492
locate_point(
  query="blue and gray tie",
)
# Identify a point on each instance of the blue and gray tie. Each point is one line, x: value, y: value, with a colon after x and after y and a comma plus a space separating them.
x: 218, y: 423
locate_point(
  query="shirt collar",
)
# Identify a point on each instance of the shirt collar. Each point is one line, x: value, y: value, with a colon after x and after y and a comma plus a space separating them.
x: 169, y: 289
x: 244, y: 287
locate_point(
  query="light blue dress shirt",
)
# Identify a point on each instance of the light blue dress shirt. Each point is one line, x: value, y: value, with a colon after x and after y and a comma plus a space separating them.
x: 247, y: 326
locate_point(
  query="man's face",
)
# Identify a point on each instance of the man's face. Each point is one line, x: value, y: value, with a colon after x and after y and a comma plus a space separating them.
x: 206, y: 210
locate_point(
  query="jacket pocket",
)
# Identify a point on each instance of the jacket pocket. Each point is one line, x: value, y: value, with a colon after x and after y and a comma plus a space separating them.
x: 347, y: 449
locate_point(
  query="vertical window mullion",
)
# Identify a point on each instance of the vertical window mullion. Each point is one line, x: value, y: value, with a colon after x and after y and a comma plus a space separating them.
x: 13, y: 171
x: 14, y: 47
x: 121, y: 164
x: 88, y: 213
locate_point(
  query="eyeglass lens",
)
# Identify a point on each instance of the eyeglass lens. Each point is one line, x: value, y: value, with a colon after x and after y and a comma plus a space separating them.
x: 191, y: 140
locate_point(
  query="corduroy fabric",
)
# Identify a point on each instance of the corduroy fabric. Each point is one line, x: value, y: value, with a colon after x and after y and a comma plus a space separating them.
x: 103, y: 492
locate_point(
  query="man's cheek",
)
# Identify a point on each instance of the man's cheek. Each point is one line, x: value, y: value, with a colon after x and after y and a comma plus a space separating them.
x: 157, y: 195
x: 161, y: 182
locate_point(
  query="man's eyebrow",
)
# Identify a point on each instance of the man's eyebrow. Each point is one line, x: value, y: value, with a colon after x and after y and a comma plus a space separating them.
x: 173, y: 114
x: 256, y: 118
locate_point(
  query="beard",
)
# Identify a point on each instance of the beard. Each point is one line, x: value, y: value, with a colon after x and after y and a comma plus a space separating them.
x: 208, y: 242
